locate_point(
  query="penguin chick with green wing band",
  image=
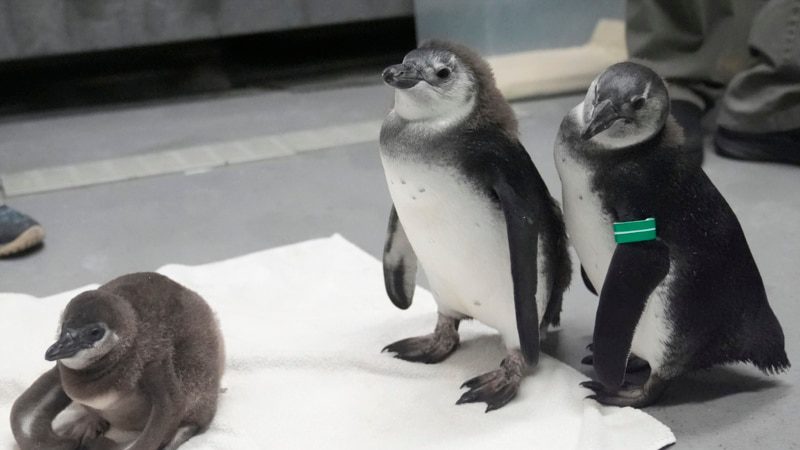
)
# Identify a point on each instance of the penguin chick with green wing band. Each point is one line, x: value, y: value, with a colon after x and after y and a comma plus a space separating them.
x: 471, y: 209
x: 689, y: 297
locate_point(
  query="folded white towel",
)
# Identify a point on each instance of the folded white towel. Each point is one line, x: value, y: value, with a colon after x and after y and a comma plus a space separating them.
x: 304, y: 326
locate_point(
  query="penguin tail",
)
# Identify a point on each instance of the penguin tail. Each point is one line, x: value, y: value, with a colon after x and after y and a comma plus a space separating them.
x: 764, y: 343
x: 773, y: 366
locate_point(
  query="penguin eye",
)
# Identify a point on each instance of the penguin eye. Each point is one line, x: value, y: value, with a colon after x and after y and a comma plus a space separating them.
x: 96, y: 333
x: 443, y: 73
x: 638, y: 102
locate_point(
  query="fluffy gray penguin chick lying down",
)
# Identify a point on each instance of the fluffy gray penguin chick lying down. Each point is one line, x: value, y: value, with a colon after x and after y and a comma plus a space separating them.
x: 139, y: 354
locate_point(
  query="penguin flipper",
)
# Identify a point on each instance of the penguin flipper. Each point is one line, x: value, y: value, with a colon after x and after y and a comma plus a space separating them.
x: 587, y: 281
x: 33, y: 412
x: 399, y: 264
x: 635, y: 271
x: 165, y: 393
x: 522, y: 244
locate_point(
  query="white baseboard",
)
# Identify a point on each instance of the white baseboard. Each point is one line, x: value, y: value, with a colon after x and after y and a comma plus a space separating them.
x: 560, y: 70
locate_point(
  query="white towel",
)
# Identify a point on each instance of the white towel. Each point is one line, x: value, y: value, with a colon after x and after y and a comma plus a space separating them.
x: 304, y: 326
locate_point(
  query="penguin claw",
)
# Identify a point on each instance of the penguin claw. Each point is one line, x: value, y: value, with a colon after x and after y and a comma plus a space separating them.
x: 593, y: 385
x: 481, y: 379
x: 85, y: 428
x: 495, y: 388
x: 428, y: 349
x: 627, y: 395
x: 494, y: 397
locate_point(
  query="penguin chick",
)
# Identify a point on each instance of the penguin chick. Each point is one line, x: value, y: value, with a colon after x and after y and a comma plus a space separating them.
x: 140, y: 354
x: 689, y: 299
x: 470, y: 207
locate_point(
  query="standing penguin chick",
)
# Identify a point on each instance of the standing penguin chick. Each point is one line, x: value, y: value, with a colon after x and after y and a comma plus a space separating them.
x: 470, y: 206
x: 139, y: 354
x: 688, y: 299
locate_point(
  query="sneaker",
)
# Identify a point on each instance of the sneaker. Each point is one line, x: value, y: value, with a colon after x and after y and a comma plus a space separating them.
x: 780, y: 147
x: 18, y: 231
x: 688, y: 115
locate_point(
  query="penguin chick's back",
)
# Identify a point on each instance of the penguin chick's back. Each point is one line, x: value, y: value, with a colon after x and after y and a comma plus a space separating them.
x: 165, y: 307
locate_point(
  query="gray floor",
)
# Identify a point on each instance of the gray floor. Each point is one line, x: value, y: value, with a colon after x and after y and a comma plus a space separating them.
x: 99, y: 232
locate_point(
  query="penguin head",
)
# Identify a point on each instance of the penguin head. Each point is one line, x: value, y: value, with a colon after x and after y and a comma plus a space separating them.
x: 438, y: 81
x: 625, y: 105
x: 94, y: 325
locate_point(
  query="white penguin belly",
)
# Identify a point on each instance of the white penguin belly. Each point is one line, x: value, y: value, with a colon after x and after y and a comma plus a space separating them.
x: 590, y: 230
x: 123, y: 411
x: 461, y: 242
x: 654, y: 330
x: 589, y: 227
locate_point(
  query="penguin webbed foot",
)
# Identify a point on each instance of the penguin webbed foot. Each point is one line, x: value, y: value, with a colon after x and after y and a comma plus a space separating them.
x: 495, y: 388
x: 85, y: 429
x: 628, y: 394
x: 431, y: 348
x: 635, y: 364
x: 426, y: 349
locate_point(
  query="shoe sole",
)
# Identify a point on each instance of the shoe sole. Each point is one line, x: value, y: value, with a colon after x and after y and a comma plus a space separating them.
x: 31, y: 237
x: 732, y: 149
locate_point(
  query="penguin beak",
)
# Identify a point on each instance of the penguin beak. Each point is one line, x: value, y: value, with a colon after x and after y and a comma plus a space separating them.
x: 401, y: 76
x: 67, y: 345
x: 603, y: 116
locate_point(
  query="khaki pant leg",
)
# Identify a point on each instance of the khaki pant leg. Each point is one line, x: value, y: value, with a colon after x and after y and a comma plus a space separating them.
x: 697, y: 45
x: 766, y: 97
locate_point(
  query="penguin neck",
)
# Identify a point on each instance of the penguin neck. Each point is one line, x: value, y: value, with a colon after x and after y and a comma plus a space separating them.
x: 604, y: 143
x: 113, y: 365
x: 433, y: 116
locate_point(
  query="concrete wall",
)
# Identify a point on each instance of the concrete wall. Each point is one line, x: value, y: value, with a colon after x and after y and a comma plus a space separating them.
x: 30, y: 28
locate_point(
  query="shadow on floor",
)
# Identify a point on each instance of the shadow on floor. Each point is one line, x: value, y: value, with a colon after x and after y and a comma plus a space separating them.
x: 715, y: 383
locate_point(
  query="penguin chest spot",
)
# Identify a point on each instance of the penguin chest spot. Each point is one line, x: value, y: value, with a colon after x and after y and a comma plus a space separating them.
x: 589, y: 227
x: 437, y: 197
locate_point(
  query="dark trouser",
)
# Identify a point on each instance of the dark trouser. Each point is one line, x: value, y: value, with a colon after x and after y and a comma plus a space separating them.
x: 743, y: 53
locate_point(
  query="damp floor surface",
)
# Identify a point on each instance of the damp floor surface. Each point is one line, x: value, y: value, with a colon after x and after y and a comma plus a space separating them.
x: 96, y: 233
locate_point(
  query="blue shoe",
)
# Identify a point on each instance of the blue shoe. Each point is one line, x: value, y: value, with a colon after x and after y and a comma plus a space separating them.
x: 18, y: 232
